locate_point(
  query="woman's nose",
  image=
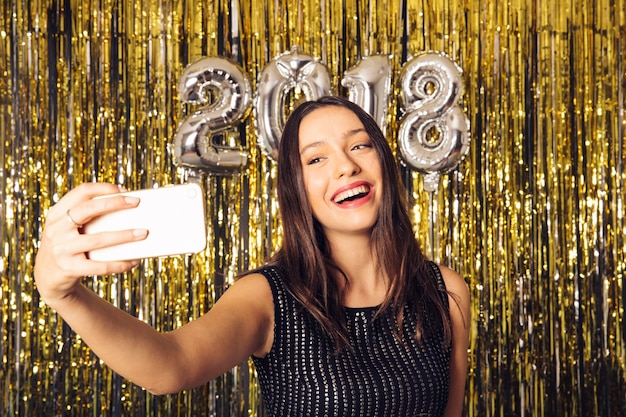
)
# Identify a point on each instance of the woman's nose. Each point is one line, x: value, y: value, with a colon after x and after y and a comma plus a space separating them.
x: 346, y: 166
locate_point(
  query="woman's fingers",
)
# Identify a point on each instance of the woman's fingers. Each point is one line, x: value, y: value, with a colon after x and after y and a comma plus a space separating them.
x: 82, y: 204
x: 71, y: 219
x: 84, y: 192
x: 62, y: 256
x: 105, y: 239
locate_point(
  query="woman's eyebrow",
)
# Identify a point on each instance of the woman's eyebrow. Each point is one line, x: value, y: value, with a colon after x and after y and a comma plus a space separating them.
x: 353, y: 132
x: 312, y: 145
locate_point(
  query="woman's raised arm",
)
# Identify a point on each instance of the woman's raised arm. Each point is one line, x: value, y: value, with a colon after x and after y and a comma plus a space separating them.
x: 239, y: 324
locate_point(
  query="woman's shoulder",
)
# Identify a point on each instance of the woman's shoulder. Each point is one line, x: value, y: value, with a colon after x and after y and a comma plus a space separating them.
x: 252, y: 286
x: 453, y: 280
x: 458, y: 294
x: 270, y: 276
x: 264, y: 284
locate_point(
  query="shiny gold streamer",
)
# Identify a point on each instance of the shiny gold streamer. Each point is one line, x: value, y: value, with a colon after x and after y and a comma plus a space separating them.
x: 533, y: 218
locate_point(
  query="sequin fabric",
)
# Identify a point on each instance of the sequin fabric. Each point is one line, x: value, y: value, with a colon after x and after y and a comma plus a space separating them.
x: 379, y: 376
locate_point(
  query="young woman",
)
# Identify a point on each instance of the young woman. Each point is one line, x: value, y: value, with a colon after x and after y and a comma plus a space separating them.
x: 347, y: 319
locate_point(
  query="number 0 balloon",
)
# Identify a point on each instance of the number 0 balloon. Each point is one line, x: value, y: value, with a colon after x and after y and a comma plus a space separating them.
x: 434, y: 132
x: 287, y: 71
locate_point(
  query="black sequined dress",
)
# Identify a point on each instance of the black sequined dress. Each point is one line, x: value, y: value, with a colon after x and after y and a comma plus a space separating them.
x: 303, y: 376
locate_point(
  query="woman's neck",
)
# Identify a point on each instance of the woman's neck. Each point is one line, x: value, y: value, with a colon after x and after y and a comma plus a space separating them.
x: 366, y: 285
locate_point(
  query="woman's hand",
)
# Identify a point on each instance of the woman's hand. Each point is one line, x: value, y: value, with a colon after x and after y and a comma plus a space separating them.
x: 62, y: 259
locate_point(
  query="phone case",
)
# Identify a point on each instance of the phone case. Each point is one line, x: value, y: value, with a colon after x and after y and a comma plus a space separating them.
x: 173, y: 215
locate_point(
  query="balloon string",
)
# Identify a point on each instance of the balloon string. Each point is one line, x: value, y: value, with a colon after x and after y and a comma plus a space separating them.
x: 431, y: 217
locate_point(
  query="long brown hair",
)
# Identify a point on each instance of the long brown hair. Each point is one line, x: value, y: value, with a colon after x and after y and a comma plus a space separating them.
x: 305, y: 254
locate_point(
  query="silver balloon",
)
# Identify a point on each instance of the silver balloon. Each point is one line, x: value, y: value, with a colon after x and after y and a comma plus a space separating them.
x: 288, y: 71
x: 224, y: 90
x: 369, y: 86
x: 433, y: 135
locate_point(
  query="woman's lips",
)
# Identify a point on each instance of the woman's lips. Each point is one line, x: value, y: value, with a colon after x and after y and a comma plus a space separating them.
x: 351, y: 192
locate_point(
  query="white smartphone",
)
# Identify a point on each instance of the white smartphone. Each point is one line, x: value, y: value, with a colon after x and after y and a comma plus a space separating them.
x: 174, y: 216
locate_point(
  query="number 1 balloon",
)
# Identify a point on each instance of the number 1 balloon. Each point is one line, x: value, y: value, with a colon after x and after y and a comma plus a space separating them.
x: 369, y: 86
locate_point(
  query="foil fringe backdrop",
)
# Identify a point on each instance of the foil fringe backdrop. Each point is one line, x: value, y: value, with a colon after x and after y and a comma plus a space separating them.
x: 533, y: 218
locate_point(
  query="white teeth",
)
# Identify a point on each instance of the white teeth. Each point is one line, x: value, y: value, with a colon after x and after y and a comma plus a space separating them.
x: 351, y: 193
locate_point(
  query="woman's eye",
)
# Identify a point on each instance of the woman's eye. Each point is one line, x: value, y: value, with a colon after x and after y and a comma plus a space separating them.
x: 313, y: 161
x: 362, y: 146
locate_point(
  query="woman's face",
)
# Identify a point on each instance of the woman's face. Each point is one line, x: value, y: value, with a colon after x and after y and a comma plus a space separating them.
x: 341, y: 171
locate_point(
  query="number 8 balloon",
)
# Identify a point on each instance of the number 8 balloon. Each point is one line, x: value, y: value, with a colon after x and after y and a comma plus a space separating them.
x: 194, y: 139
x: 433, y: 136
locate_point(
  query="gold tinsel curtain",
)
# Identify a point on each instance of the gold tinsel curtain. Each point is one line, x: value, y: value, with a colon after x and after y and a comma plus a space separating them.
x: 533, y: 217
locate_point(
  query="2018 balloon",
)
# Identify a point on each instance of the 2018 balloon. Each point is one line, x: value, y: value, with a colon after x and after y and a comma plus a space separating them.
x: 369, y: 86
x: 290, y: 70
x: 225, y: 91
x: 433, y: 136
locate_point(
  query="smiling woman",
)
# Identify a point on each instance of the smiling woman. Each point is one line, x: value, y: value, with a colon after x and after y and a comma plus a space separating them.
x: 350, y: 258
x: 341, y: 171
x: 348, y: 318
